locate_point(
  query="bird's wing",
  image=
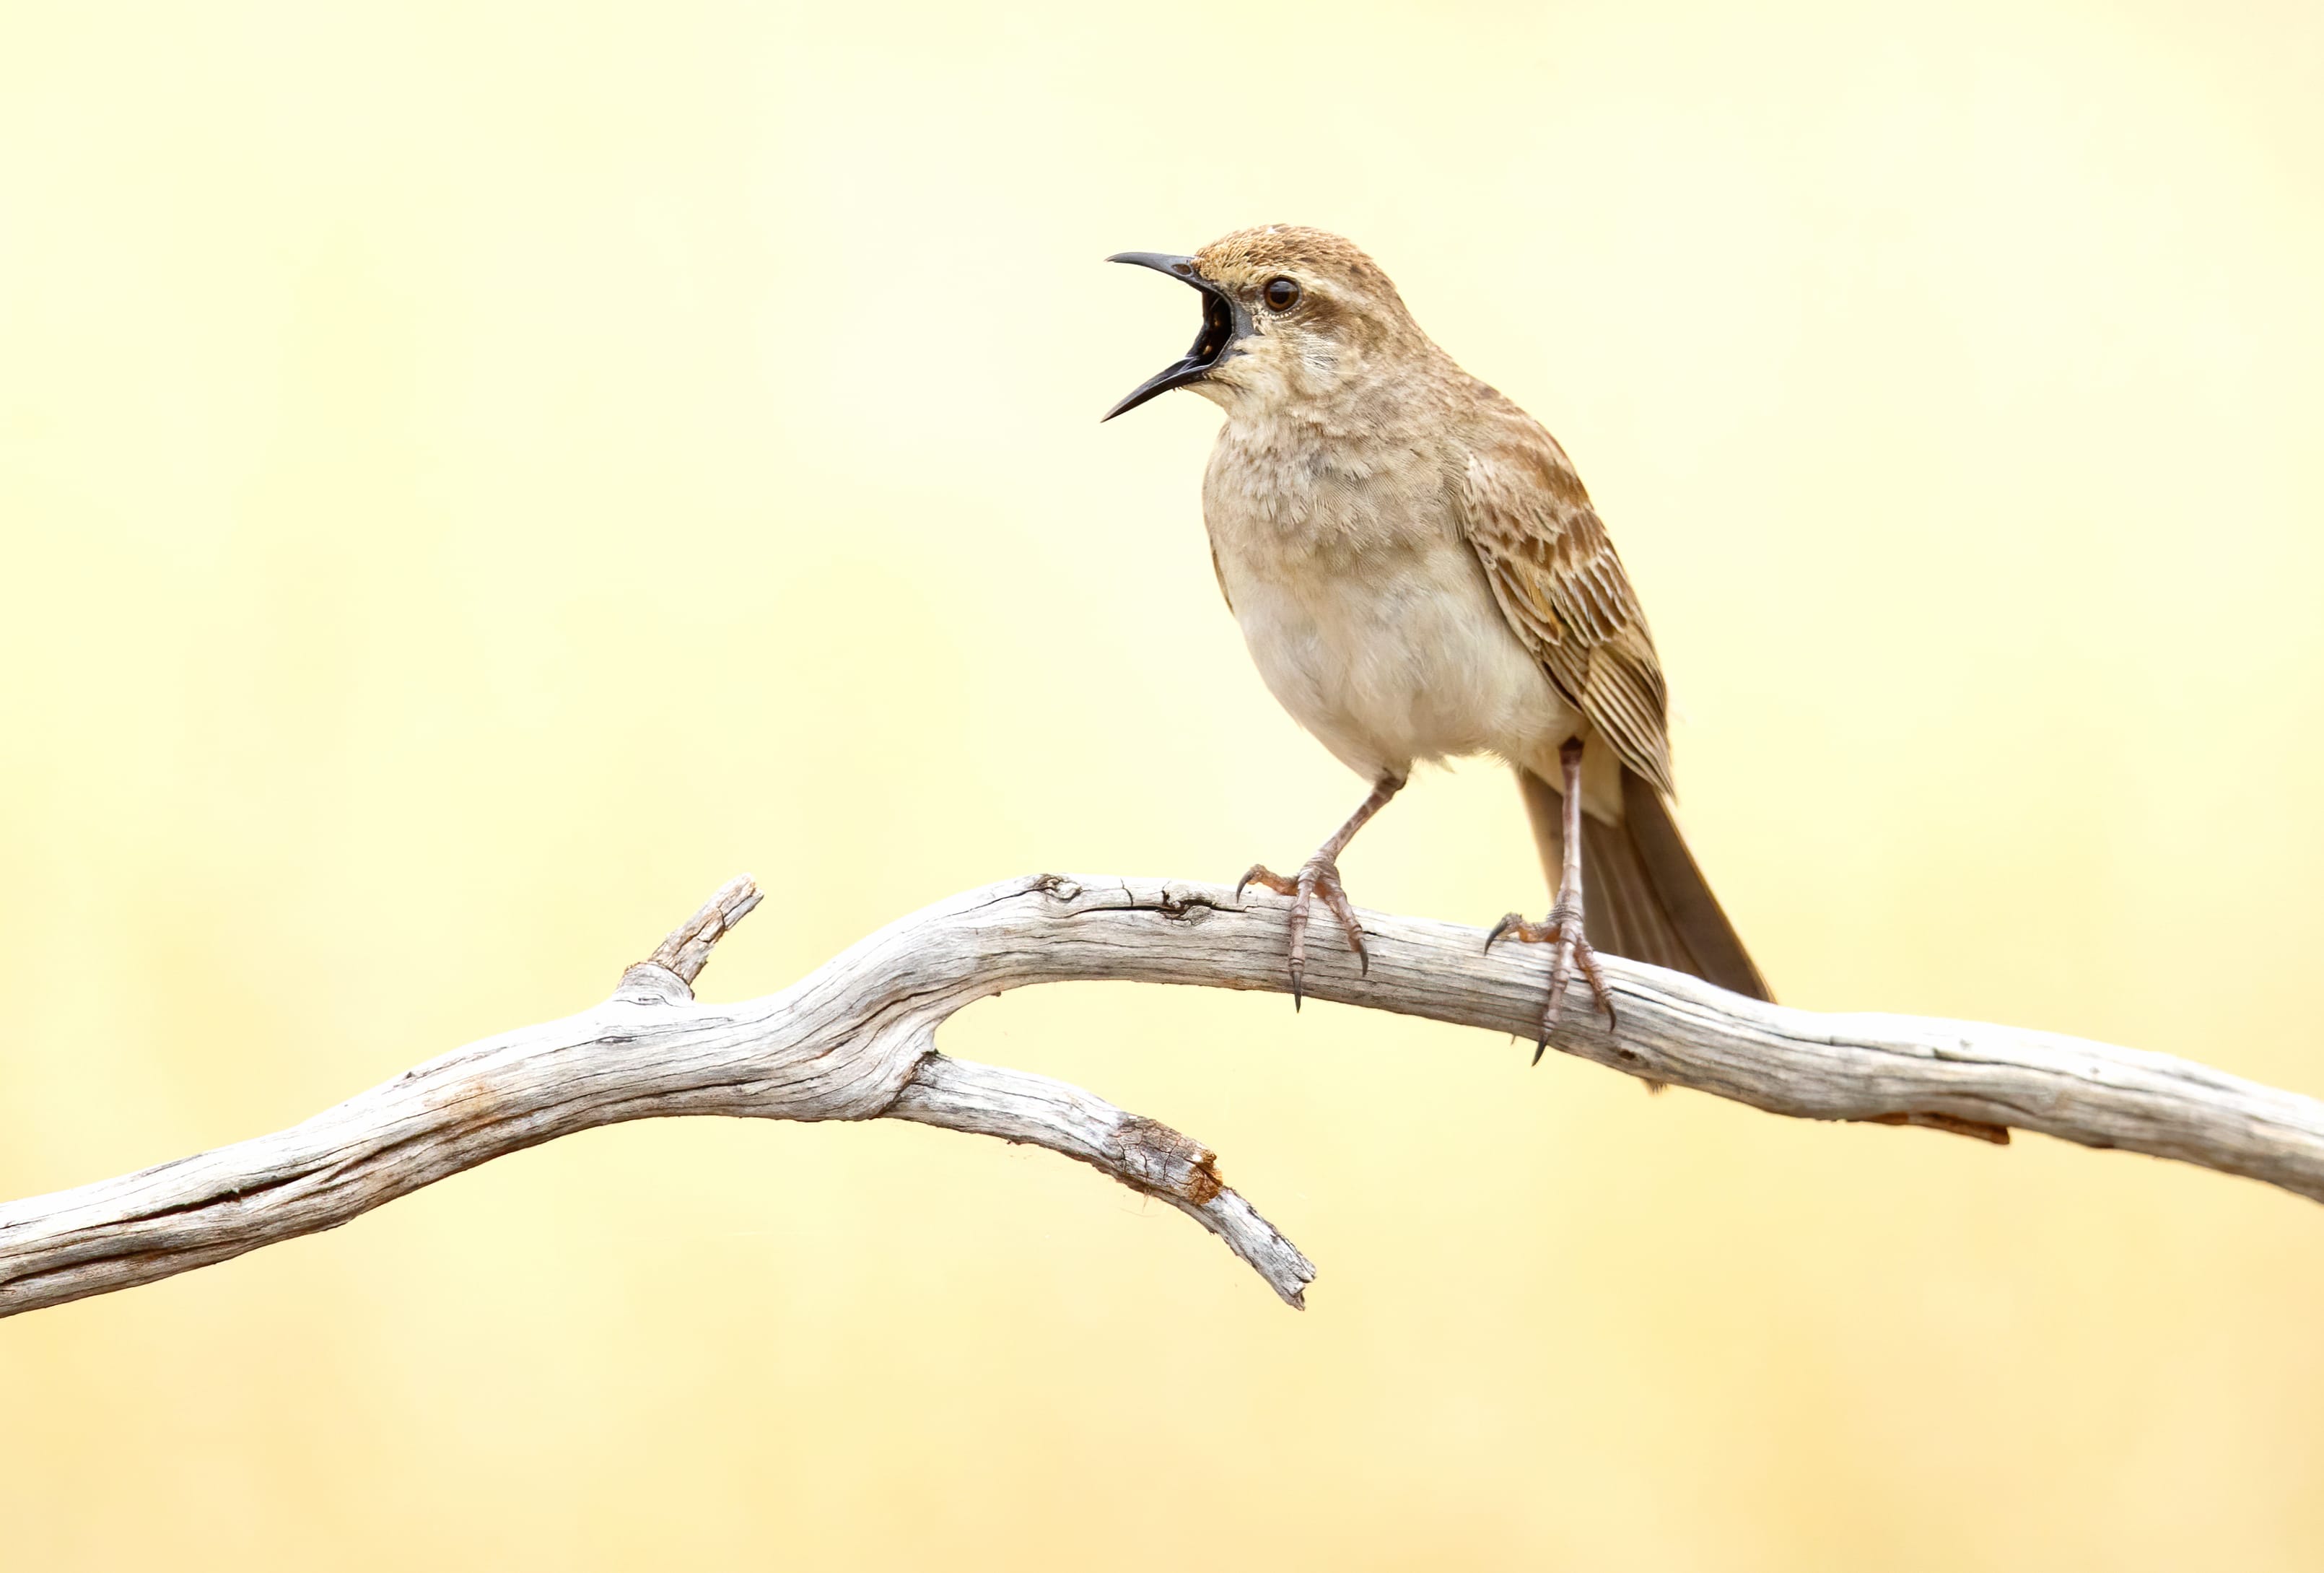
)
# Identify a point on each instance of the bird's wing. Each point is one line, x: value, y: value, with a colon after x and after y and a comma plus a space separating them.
x: 1554, y: 571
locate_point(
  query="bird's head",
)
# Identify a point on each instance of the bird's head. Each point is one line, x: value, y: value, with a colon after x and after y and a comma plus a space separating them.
x: 1288, y: 315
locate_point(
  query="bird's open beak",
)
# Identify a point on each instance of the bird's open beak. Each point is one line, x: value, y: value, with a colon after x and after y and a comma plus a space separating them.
x: 1223, y: 322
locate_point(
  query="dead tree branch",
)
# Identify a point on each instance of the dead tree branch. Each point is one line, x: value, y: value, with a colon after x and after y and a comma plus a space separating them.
x: 855, y: 1041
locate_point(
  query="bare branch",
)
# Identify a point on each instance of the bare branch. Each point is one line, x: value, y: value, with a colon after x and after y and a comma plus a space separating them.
x: 855, y: 1040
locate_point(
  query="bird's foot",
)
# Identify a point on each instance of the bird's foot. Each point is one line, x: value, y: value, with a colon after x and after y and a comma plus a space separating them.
x: 1562, y: 929
x: 1318, y: 876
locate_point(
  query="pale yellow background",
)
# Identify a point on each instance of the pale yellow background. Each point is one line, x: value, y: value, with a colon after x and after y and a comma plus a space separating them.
x: 472, y: 478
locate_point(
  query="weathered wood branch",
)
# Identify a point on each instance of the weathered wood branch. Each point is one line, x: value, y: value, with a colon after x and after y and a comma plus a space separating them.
x: 854, y: 1040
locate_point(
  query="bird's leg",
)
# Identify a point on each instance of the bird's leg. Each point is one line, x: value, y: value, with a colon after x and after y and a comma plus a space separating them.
x: 1563, y: 927
x: 1320, y: 875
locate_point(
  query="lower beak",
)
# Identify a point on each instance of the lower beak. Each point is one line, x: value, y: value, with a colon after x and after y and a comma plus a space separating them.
x: 1223, y: 322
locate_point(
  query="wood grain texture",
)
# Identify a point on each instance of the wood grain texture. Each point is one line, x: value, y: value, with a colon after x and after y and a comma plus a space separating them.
x: 855, y: 1040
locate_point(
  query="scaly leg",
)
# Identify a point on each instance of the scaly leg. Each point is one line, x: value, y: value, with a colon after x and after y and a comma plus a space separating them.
x: 1563, y: 927
x: 1320, y: 874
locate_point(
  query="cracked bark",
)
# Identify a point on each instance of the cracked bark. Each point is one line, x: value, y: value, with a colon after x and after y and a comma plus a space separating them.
x: 855, y: 1040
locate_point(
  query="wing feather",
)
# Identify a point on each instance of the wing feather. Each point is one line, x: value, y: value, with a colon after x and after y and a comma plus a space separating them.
x: 1554, y: 572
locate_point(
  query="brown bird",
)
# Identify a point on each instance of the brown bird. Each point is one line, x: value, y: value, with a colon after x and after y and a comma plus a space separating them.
x: 1418, y: 573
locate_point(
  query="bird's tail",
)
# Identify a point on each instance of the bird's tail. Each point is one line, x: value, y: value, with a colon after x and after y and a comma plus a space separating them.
x: 1643, y: 895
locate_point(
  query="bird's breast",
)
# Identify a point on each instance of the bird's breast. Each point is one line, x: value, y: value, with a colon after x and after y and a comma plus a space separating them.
x: 1367, y: 613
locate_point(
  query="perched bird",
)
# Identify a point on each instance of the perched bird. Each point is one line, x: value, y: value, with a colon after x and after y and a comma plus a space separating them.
x: 1418, y: 573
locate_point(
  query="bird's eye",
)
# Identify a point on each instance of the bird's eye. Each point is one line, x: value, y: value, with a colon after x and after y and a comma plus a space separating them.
x: 1281, y: 294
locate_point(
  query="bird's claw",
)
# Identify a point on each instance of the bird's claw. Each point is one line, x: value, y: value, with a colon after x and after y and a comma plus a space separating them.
x: 1259, y: 873
x: 1562, y: 929
x: 1515, y: 924
x: 1316, y: 876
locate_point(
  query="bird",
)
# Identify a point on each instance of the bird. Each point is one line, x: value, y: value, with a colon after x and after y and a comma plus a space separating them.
x: 1419, y: 574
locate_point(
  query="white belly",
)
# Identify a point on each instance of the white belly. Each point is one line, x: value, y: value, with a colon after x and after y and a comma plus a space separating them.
x: 1395, y: 656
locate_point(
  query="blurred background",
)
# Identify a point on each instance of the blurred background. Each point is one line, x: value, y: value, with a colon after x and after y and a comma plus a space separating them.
x: 476, y: 476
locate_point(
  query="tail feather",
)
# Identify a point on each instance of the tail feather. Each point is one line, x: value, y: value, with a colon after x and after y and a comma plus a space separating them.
x: 1646, y: 897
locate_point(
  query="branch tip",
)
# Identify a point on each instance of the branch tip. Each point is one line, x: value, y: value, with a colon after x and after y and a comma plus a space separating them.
x: 686, y: 951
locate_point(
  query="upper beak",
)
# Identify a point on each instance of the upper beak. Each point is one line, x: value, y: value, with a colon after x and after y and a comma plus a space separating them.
x: 1223, y: 322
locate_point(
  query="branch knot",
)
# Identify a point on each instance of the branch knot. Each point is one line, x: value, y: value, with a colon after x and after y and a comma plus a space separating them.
x: 1159, y: 1159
